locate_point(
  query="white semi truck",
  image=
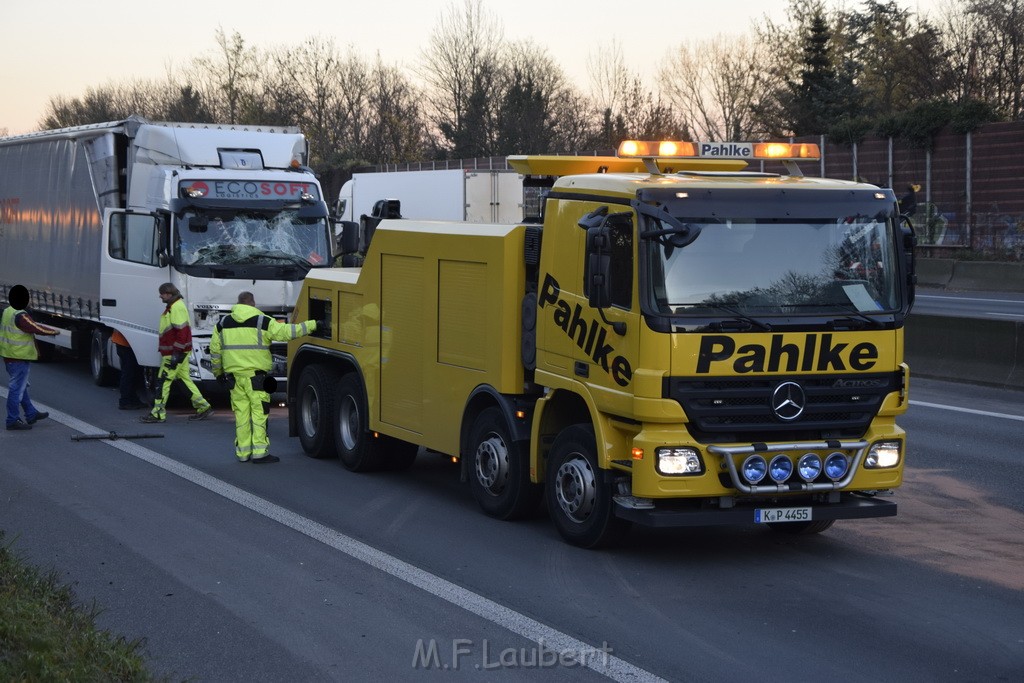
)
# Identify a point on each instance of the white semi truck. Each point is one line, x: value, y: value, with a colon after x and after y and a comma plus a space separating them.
x: 436, y: 195
x: 94, y: 218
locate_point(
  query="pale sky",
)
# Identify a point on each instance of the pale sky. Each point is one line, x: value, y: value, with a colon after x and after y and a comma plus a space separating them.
x: 52, y: 48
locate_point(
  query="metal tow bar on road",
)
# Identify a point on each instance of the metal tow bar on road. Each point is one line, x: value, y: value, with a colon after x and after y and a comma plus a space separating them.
x: 113, y: 436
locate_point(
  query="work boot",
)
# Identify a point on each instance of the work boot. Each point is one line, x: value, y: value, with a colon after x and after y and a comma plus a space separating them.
x: 150, y: 419
x: 202, y: 414
x: 37, y: 417
x: 19, y: 425
x: 265, y: 459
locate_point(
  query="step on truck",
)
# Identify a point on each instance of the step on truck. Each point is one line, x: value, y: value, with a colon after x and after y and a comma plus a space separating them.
x: 94, y: 218
x: 677, y: 341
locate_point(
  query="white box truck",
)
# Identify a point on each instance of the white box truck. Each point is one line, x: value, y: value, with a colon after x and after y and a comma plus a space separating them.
x: 436, y: 195
x: 94, y: 218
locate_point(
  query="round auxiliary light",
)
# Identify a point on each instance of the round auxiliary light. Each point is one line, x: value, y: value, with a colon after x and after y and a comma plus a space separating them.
x: 836, y: 466
x: 754, y: 468
x: 780, y: 468
x: 808, y: 466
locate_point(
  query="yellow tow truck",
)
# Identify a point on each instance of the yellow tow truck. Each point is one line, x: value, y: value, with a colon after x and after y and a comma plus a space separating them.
x: 676, y: 341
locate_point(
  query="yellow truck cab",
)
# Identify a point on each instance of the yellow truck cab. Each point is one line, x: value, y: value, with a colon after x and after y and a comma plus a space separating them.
x: 676, y: 342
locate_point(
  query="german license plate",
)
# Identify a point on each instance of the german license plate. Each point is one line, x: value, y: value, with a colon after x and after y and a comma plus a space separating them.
x: 773, y: 515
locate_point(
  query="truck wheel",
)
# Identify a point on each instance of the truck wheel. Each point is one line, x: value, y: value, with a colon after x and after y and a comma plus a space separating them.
x: 314, y: 399
x: 499, y: 469
x: 358, y: 450
x: 102, y: 373
x: 579, y: 499
x: 802, y: 528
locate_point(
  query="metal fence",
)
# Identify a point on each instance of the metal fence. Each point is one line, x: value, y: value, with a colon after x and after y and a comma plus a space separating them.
x: 971, y: 194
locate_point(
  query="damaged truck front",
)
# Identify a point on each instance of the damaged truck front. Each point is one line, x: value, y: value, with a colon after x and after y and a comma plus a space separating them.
x: 98, y: 216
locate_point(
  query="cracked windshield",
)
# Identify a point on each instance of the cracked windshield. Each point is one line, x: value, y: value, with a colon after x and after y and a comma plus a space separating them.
x: 771, y: 266
x: 251, y: 238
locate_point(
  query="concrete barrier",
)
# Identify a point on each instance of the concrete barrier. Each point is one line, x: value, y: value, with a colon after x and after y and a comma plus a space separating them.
x: 991, y: 276
x: 966, y: 349
x: 934, y: 272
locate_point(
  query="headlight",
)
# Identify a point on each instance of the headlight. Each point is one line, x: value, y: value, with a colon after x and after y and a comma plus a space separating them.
x: 883, y: 454
x: 809, y: 466
x: 836, y: 466
x: 780, y: 468
x: 754, y: 469
x: 679, y: 461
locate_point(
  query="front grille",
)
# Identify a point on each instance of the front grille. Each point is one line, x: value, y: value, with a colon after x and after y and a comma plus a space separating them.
x: 837, y: 406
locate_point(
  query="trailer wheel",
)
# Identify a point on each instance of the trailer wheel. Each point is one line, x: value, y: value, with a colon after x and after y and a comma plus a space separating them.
x: 802, y: 528
x: 578, y: 497
x: 102, y: 373
x: 315, y: 401
x: 357, y: 448
x: 499, y: 469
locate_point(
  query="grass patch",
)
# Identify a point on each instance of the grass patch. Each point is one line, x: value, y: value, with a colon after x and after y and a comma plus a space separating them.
x: 46, y: 635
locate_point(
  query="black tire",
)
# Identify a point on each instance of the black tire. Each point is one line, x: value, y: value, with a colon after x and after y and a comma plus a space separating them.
x: 357, y: 448
x: 103, y: 374
x: 802, y: 528
x: 578, y: 496
x: 315, y: 408
x: 499, y: 469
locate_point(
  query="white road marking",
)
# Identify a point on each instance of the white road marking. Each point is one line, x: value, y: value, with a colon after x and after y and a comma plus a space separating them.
x: 553, y: 640
x: 972, y: 411
x: 966, y: 298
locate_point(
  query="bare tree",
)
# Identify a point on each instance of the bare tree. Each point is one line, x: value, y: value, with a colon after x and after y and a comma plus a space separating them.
x: 229, y: 79
x: 461, y: 57
x: 714, y: 85
x: 397, y: 129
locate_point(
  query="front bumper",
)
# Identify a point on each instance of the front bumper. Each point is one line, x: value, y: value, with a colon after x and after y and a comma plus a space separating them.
x: 850, y: 506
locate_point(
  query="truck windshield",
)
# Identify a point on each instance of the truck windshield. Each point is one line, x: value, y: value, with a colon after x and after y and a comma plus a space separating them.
x: 251, y: 238
x: 771, y: 266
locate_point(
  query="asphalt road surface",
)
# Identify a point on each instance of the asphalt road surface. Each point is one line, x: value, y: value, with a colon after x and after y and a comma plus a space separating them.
x: 302, y: 571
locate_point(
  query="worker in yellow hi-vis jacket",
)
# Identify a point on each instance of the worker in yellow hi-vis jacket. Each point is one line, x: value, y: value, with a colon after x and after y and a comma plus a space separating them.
x: 175, y: 344
x: 240, y: 355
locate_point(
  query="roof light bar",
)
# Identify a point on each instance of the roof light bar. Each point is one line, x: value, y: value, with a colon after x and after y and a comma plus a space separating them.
x: 676, y: 149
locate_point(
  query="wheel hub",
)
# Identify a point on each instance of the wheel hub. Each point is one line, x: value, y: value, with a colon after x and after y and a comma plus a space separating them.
x: 310, y: 411
x: 492, y: 464
x: 348, y: 424
x: 576, y: 489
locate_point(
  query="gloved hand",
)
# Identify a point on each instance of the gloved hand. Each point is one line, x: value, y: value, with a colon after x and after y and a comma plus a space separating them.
x: 323, y: 325
x: 222, y: 380
x: 176, y: 359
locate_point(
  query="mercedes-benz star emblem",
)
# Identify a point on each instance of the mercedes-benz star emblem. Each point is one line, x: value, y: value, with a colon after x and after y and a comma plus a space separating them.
x: 788, y: 401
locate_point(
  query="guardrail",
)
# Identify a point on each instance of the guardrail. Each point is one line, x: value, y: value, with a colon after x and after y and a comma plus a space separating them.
x: 974, y: 350
x: 993, y: 276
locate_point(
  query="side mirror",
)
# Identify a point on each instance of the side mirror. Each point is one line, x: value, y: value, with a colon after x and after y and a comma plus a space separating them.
x: 348, y: 243
x: 909, y: 257
x: 599, y: 265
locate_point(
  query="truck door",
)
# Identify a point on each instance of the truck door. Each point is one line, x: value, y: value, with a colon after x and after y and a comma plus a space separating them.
x: 134, y: 265
x: 609, y: 356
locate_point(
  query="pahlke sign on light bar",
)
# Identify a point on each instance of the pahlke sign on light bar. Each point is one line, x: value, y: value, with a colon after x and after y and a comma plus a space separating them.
x: 732, y: 150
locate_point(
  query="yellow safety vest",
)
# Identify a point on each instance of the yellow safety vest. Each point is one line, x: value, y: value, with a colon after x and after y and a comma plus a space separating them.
x: 14, y: 343
x: 241, y: 341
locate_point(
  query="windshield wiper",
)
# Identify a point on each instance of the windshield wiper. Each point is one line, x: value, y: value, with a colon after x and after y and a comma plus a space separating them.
x: 291, y: 258
x: 857, y: 322
x: 740, y: 321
